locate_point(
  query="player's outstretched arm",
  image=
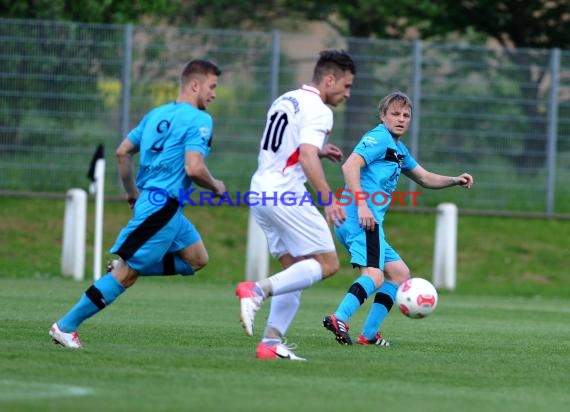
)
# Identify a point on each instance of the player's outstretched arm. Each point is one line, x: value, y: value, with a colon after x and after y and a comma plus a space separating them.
x: 431, y: 180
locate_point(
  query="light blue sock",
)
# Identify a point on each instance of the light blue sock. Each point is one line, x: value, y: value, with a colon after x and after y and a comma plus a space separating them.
x: 383, y: 302
x: 355, y: 297
x: 99, y: 295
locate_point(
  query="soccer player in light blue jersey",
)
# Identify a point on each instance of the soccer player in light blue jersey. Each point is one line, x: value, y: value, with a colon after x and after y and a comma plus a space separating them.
x: 173, y: 140
x: 371, y: 174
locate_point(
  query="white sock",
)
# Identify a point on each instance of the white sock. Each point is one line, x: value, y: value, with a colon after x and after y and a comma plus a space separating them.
x: 298, y: 276
x: 282, y: 311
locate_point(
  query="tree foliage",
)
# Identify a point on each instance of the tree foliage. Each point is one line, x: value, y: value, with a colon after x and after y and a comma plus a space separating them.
x: 513, y: 23
x: 90, y: 11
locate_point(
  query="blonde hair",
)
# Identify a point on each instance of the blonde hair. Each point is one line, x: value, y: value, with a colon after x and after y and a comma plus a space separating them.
x: 397, y: 97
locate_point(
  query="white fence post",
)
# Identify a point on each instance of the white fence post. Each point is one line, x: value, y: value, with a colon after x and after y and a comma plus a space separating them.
x: 445, y: 253
x: 74, y: 226
x: 257, y: 258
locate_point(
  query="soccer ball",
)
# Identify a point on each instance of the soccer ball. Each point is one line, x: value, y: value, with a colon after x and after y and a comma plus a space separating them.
x: 416, y: 298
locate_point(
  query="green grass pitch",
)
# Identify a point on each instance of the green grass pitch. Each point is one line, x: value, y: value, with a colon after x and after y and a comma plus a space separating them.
x: 175, y: 344
x: 500, y: 342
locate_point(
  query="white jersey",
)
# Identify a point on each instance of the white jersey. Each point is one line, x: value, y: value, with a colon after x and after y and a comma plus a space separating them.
x: 295, y: 118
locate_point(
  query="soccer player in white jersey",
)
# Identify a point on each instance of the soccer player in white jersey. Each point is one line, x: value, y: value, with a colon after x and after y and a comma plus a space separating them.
x: 295, y: 139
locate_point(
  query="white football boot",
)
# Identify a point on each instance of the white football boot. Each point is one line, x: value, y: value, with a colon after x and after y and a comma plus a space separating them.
x: 68, y: 340
x: 250, y: 302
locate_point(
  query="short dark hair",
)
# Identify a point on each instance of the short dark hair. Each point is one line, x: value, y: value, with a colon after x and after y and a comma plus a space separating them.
x: 333, y: 61
x: 196, y: 67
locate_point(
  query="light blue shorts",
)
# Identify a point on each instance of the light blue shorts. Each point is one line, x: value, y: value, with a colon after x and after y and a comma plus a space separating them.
x: 152, y: 232
x: 366, y: 248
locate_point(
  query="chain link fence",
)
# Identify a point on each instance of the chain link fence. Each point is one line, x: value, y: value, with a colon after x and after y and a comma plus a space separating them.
x: 502, y: 115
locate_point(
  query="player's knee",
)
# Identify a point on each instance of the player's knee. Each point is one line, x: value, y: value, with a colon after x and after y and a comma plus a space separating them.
x: 126, y: 275
x: 397, y: 272
x: 378, y: 279
x: 330, y: 267
x: 377, y: 276
x: 400, y: 278
x: 200, y: 261
x: 195, y: 255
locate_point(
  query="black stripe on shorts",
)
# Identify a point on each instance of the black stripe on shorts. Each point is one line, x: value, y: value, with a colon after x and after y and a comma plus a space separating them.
x: 147, y: 229
x: 168, y: 265
x: 373, y: 247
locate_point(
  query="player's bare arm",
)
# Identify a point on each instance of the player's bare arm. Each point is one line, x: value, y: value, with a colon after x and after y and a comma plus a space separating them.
x: 124, y: 154
x: 351, y: 173
x: 197, y: 170
x: 311, y: 164
x: 431, y: 180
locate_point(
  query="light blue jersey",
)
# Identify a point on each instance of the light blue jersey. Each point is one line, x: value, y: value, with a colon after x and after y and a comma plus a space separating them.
x: 385, y: 159
x: 162, y: 137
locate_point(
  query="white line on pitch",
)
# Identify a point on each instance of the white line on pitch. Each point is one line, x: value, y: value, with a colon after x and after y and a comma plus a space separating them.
x: 11, y: 390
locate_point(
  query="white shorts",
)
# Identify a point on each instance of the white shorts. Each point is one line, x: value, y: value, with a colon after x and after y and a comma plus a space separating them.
x: 295, y: 230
